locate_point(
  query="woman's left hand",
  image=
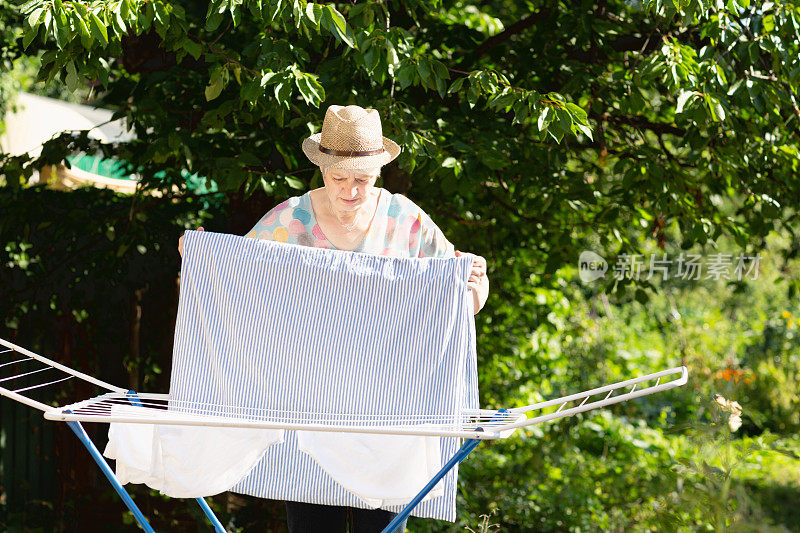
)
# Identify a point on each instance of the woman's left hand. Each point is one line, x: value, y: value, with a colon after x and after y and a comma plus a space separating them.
x: 478, y: 282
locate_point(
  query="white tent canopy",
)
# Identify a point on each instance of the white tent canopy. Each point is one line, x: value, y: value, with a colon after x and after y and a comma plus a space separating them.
x: 37, y: 118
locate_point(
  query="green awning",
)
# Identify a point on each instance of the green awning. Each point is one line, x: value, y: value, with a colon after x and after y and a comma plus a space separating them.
x: 114, y: 168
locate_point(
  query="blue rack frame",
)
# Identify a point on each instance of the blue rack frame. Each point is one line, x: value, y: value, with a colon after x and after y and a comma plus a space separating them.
x: 77, y: 428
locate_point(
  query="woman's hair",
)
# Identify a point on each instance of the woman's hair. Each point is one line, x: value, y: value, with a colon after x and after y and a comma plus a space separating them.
x: 369, y: 171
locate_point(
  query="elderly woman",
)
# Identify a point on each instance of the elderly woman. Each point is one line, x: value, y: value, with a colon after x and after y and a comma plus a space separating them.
x: 350, y: 213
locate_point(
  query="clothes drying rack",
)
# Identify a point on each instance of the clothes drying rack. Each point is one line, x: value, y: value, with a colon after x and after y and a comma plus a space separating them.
x: 474, y: 426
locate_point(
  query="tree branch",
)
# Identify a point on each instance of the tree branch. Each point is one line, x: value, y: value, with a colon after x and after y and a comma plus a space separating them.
x: 641, y: 123
x: 517, y: 27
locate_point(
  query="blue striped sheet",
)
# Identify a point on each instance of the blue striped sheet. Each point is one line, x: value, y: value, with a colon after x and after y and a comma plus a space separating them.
x: 269, y: 325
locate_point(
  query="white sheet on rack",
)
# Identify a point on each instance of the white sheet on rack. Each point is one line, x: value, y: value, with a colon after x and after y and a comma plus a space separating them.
x: 281, y: 331
x: 184, y: 461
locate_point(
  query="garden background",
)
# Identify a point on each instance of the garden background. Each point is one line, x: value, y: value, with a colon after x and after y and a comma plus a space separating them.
x: 531, y: 131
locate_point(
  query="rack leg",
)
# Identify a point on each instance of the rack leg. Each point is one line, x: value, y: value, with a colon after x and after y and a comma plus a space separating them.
x: 87, y: 442
x: 218, y: 528
x: 460, y: 455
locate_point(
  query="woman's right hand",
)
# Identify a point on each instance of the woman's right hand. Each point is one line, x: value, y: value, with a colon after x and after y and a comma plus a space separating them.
x: 180, y: 242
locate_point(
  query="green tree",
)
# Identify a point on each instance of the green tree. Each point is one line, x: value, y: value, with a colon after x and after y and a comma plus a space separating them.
x: 533, y: 125
x: 531, y: 130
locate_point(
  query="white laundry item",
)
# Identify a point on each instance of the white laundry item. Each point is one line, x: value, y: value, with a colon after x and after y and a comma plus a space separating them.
x: 199, y: 461
x: 131, y: 446
x: 184, y: 461
x: 382, y: 470
x: 302, y: 335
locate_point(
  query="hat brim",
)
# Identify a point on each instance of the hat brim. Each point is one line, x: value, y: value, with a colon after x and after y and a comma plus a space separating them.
x: 311, y: 149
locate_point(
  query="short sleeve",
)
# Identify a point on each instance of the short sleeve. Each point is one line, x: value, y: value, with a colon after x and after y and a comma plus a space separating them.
x: 433, y: 243
x: 270, y: 228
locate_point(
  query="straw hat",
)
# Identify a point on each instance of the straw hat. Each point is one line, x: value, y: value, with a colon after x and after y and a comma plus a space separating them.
x: 351, y: 138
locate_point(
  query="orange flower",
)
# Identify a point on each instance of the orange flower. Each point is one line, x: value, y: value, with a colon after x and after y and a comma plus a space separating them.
x: 733, y: 374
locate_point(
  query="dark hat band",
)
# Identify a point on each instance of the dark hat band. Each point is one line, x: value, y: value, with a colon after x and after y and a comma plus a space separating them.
x: 351, y: 153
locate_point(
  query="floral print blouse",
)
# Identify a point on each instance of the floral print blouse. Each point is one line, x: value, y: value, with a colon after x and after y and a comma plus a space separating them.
x: 400, y: 228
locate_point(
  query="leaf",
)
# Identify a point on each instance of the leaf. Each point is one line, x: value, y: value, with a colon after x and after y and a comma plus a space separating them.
x: 769, y: 23
x: 268, y: 79
x: 405, y: 74
x: 213, y: 21
x: 501, y: 100
x: 194, y: 48
x: 62, y: 33
x: 337, y: 25
x: 272, y: 9
x: 441, y: 87
x: 361, y: 15
x: 371, y: 58
x: 317, y: 90
x: 236, y: 15
x: 297, y: 13
x: 120, y: 26
x: 719, y: 110
x: 48, y: 20
x: 28, y: 6
x: 578, y: 113
x: 555, y: 131
x: 456, y: 85
x: 391, y: 53
x: 283, y: 91
x: 103, y: 71
x: 356, y: 10
x: 425, y: 72
x: 162, y: 15
x: 308, y: 89
x: 337, y: 18
x: 99, y: 30
x: 72, y: 77
x: 35, y: 17
x: 86, y: 37
x: 715, y: 108
x: 683, y: 98
x: 314, y: 14
x: 440, y: 69
x: 250, y: 90
x: 521, y: 111
x: 277, y: 90
x: 473, y: 93
x: 28, y: 37
x: 564, y: 120
x: 215, y: 85
x: 586, y: 130
x: 294, y: 183
x: 545, y: 118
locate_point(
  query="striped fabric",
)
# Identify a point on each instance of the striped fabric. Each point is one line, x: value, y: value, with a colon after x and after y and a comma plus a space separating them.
x: 301, y: 332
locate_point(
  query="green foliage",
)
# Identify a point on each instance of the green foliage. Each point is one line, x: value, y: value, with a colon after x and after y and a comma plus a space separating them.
x: 8, y: 84
x: 639, y: 94
x: 530, y: 131
x: 667, y: 462
x: 76, y: 260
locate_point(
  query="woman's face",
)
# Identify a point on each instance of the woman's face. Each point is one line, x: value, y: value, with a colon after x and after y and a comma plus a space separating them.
x: 349, y: 189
